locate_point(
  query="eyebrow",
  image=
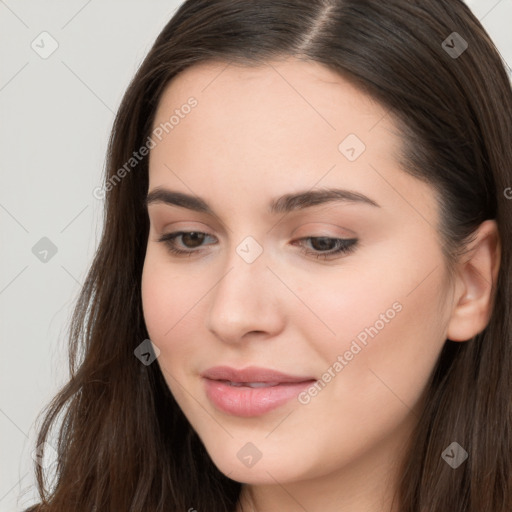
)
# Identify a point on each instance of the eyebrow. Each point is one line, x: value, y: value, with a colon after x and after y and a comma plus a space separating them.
x: 282, y: 204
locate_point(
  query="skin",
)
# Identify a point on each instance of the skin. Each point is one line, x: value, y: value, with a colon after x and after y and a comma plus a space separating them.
x: 258, y: 133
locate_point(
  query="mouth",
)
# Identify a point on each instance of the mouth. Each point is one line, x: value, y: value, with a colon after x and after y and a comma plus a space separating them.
x: 251, y: 391
x: 252, y: 375
x: 251, y: 384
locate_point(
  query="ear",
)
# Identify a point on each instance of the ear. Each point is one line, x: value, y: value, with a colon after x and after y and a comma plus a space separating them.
x: 476, y: 276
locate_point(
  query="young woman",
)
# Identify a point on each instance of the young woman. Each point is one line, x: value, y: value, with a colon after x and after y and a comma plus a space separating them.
x: 302, y: 296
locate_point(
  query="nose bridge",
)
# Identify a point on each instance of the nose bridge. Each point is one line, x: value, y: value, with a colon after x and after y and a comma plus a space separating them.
x: 246, y: 266
x: 246, y: 272
x: 242, y: 301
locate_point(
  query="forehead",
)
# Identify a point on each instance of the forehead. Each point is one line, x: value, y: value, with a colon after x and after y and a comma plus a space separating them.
x: 279, y: 127
x: 289, y: 83
x: 282, y: 110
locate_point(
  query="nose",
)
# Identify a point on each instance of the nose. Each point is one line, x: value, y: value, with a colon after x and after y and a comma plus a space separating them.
x: 246, y: 302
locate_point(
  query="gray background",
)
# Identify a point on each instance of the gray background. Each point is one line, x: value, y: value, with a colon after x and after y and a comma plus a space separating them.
x: 56, y: 114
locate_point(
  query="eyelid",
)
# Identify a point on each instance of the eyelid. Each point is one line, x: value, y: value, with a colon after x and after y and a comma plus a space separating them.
x: 345, y: 232
x: 186, y: 226
x: 349, y: 234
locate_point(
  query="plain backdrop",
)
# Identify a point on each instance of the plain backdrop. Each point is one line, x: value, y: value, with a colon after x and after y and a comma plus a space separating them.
x: 56, y: 113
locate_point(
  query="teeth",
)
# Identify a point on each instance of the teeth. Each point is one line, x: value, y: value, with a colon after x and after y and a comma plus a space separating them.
x: 253, y: 384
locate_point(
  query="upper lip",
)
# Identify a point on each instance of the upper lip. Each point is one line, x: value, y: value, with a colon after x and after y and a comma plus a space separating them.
x: 251, y: 374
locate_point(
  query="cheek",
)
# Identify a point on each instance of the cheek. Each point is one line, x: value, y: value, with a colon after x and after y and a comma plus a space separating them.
x: 386, y: 324
x: 402, y: 355
x: 167, y: 295
x: 172, y: 300
x: 384, y: 366
x: 164, y: 304
x: 157, y: 300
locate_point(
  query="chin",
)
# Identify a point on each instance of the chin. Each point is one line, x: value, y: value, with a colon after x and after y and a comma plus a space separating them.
x: 265, y: 470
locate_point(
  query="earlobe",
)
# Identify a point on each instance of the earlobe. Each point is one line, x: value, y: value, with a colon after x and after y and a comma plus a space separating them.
x: 477, y: 274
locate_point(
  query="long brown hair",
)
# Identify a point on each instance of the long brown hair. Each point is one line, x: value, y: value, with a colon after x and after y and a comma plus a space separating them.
x: 123, y: 442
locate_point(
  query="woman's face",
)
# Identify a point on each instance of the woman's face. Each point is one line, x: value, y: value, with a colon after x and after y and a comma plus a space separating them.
x: 263, y: 287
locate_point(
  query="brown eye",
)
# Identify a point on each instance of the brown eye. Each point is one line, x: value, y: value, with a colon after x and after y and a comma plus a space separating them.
x: 192, y: 239
x: 325, y: 247
x: 323, y: 244
x: 189, y: 239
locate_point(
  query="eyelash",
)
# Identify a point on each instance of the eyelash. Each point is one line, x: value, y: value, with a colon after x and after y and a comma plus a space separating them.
x: 344, y: 245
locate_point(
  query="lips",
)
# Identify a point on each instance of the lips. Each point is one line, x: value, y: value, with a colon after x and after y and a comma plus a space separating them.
x: 251, y: 391
x: 252, y: 374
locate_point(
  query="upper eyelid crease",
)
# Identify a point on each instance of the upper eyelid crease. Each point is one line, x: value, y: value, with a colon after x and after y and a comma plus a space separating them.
x: 283, y: 204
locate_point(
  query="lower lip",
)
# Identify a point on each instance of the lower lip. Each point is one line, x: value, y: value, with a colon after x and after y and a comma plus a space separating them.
x: 245, y: 401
